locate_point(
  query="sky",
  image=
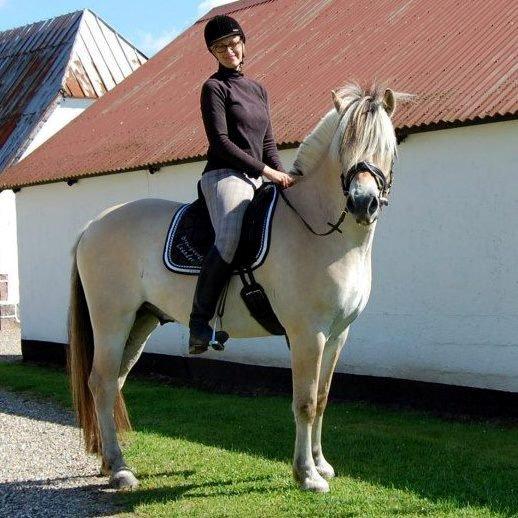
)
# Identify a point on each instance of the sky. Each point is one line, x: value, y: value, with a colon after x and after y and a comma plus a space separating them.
x: 148, y: 24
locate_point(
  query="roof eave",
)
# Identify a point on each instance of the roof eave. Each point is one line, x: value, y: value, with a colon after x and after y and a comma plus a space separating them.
x: 457, y: 123
x: 401, y: 131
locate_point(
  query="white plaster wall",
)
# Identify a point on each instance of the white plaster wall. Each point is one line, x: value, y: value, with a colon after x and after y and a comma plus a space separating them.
x: 444, y: 303
x: 443, y: 306
x: 8, y: 255
x: 65, y: 111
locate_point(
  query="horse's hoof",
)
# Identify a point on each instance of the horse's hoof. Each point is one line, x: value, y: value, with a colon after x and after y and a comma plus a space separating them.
x: 310, y: 480
x: 317, y: 485
x: 124, y: 480
x: 325, y: 469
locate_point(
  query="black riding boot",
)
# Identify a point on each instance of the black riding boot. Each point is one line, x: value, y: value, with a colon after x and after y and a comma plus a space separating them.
x: 213, y: 276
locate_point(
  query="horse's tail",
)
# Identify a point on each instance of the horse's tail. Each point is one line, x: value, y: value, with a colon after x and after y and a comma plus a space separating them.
x: 80, y: 357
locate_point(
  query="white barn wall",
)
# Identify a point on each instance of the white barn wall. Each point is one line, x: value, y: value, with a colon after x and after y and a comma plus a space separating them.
x: 50, y: 237
x: 444, y: 303
x: 65, y: 111
x: 443, y: 306
x: 8, y: 255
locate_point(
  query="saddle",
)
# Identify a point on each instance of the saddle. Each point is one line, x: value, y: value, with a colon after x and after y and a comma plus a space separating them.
x: 191, y: 235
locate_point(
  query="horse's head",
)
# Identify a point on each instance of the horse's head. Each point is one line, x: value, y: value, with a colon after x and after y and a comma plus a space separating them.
x: 364, y: 145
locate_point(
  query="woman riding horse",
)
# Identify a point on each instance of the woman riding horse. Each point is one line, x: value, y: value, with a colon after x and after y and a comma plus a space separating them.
x: 241, y: 150
x: 317, y: 285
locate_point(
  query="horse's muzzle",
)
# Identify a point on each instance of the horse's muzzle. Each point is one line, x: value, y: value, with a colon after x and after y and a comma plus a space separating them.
x: 364, y: 207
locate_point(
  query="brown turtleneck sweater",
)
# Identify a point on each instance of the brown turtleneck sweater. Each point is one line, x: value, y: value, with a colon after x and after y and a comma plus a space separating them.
x: 237, y: 123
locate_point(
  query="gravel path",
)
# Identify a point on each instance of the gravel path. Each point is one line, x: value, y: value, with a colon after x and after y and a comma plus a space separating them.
x: 44, y: 471
x: 10, y: 345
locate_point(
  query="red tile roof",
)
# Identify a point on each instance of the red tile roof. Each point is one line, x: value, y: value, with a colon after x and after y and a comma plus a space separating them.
x: 460, y: 58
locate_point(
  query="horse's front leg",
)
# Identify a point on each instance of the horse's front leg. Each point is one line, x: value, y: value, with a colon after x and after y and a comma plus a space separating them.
x: 330, y: 356
x: 306, y: 355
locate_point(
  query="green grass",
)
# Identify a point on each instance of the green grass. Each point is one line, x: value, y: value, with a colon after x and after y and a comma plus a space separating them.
x: 202, y: 454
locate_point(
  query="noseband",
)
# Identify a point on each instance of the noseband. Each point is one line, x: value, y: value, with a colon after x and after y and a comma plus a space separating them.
x: 383, y: 186
x: 346, y: 180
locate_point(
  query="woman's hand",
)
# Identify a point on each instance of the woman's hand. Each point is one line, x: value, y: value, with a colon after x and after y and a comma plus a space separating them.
x: 283, y: 179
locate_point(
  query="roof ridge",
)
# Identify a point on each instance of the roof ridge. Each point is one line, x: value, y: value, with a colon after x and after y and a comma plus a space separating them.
x: 116, y: 31
x: 43, y: 21
x: 223, y: 8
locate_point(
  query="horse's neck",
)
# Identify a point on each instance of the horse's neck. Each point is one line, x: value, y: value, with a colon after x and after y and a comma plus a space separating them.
x: 319, y: 199
x: 314, y: 193
x: 318, y: 196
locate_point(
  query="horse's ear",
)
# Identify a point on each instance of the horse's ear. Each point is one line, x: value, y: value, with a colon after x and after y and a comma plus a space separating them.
x: 389, y: 102
x: 336, y: 101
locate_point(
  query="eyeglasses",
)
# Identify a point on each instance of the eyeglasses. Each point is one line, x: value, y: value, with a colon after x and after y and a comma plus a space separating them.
x: 221, y: 48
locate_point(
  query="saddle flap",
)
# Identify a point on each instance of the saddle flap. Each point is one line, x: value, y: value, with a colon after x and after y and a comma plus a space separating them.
x: 191, y: 234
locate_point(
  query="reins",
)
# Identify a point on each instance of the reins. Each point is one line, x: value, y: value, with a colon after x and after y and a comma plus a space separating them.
x: 334, y: 227
x: 346, y: 180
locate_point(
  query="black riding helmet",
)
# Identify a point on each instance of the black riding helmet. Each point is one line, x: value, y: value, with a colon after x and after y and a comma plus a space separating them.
x: 222, y: 26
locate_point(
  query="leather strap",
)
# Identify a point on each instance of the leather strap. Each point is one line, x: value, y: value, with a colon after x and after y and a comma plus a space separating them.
x: 346, y: 180
x: 334, y: 227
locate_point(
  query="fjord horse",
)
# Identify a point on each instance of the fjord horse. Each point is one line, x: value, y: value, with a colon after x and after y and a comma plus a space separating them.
x: 344, y: 166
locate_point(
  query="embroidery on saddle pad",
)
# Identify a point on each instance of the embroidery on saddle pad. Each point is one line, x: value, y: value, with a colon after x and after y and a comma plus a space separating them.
x: 191, y: 235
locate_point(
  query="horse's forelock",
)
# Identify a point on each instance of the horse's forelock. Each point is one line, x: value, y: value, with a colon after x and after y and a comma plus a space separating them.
x: 361, y: 131
x: 365, y: 127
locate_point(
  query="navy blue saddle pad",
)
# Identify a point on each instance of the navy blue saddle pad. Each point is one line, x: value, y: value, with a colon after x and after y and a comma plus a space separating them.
x: 191, y: 234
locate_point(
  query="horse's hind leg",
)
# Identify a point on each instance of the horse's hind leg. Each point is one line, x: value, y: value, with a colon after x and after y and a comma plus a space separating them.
x: 329, y: 358
x: 109, y: 343
x: 306, y: 353
x: 144, y: 325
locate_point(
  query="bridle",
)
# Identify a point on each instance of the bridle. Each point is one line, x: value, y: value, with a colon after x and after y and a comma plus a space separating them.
x: 346, y: 179
x: 383, y: 186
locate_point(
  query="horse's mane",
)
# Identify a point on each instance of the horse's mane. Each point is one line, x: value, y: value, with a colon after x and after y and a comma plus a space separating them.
x: 362, y: 130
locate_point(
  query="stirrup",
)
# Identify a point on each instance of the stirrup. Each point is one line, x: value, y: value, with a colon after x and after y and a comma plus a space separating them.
x: 218, y: 339
x: 217, y: 342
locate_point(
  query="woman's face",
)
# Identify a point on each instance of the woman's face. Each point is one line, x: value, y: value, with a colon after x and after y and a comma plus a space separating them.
x: 229, y: 51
